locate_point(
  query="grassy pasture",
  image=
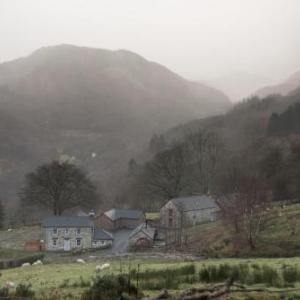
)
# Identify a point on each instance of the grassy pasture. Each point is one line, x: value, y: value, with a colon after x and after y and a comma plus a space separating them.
x: 280, y: 236
x: 65, y: 278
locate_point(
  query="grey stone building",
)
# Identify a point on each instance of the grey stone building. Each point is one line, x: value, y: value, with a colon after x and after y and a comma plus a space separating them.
x: 120, y: 218
x: 187, y: 211
x: 64, y: 233
x: 181, y: 213
x: 142, y: 237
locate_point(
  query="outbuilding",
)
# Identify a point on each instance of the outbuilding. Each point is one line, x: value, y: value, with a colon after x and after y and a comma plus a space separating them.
x: 102, y: 238
x: 142, y: 237
x: 120, y: 218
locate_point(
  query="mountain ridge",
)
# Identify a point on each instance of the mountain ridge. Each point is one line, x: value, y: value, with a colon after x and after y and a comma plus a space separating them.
x: 74, y: 101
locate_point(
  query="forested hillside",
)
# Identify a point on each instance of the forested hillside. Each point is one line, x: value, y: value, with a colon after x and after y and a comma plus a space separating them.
x: 225, y: 153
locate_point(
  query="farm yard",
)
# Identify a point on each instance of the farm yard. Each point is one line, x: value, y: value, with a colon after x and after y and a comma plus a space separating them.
x: 268, y: 278
x: 200, y: 264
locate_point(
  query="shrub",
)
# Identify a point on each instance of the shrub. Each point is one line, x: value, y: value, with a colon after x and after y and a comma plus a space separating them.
x: 204, y: 275
x: 163, y: 273
x: 257, y: 276
x: 224, y: 272
x: 65, y: 283
x: 168, y: 282
x: 290, y: 274
x: 4, y: 292
x: 24, y: 290
x: 108, y: 287
x: 270, y: 276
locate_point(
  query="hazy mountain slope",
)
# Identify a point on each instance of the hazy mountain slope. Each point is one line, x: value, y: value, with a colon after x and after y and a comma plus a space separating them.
x: 90, y: 88
x: 283, y: 88
x: 245, y: 122
x: 239, y: 85
x: 98, y: 106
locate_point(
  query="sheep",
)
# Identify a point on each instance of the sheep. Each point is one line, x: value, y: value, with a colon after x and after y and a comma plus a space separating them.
x: 102, y: 267
x: 98, y: 268
x: 10, y: 284
x: 26, y: 264
x: 9, y: 229
x: 38, y: 262
x: 105, y: 266
x: 80, y: 261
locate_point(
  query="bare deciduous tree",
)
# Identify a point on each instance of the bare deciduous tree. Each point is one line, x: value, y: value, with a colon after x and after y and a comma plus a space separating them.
x: 165, y: 175
x: 59, y: 186
x: 246, y: 208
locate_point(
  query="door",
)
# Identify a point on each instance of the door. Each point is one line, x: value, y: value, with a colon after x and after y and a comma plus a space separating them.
x: 67, y: 245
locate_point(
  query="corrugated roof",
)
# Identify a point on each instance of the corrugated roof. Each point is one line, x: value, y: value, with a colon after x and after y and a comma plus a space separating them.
x: 194, y: 202
x: 115, y: 214
x: 101, y: 234
x: 146, y: 229
x: 66, y: 221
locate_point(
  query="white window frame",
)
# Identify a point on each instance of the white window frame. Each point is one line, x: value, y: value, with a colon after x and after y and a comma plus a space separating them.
x: 54, y: 242
x: 54, y: 230
x: 80, y: 242
x: 78, y: 231
x: 67, y: 230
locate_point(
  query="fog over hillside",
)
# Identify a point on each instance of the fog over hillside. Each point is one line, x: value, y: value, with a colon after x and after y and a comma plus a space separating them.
x: 200, y: 40
x: 99, y: 107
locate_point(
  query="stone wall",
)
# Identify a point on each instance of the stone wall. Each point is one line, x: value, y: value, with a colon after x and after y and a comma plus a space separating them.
x: 71, y: 234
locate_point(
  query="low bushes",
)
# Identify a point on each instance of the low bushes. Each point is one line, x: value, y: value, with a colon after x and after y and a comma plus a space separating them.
x: 167, y: 278
x: 22, y: 291
x: 250, y: 274
x: 174, y: 272
x: 109, y: 287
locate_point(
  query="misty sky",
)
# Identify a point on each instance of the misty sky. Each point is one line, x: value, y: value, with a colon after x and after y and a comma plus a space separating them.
x: 199, y: 39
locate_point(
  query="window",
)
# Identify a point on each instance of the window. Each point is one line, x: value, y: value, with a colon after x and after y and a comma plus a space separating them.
x: 78, y: 242
x: 54, y: 242
x: 67, y: 231
x: 78, y: 231
x: 54, y: 230
x: 102, y: 242
x: 170, y: 212
x: 171, y: 222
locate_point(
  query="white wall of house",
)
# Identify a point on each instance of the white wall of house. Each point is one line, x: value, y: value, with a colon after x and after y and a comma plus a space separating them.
x: 102, y: 243
x: 68, y: 238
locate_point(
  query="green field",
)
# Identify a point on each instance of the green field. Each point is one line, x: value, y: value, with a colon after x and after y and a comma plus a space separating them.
x: 65, y: 278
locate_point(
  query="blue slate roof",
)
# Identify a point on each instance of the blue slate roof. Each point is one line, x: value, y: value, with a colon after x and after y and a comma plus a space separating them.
x: 66, y: 221
x: 194, y: 202
x: 101, y: 234
x: 115, y: 214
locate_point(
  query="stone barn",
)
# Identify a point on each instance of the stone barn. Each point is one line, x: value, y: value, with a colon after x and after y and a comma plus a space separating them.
x: 188, y: 211
x: 183, y: 212
x: 142, y: 237
x: 120, y: 218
